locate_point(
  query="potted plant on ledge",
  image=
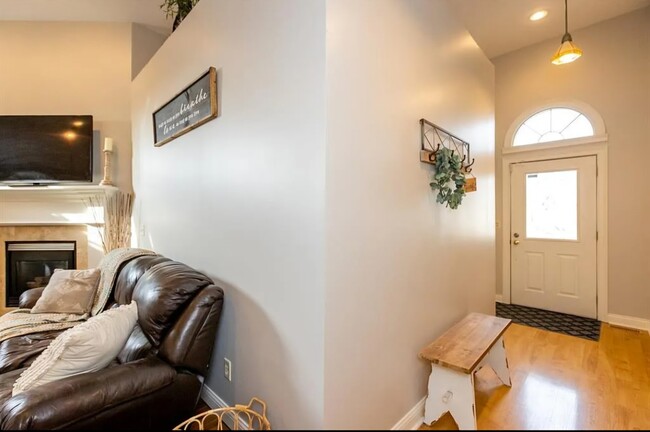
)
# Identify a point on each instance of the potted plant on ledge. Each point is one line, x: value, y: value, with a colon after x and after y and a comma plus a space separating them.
x: 178, y: 9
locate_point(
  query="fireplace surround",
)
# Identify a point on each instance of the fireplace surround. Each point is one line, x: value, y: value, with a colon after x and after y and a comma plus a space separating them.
x: 77, y: 234
x: 31, y: 264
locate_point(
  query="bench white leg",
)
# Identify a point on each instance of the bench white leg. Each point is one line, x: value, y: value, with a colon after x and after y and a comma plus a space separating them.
x: 498, y: 361
x: 451, y: 391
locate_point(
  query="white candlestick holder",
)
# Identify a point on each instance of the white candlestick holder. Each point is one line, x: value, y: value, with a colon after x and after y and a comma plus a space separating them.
x: 106, y: 181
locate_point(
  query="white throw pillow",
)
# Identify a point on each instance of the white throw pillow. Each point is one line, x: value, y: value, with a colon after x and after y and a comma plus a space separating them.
x: 87, y: 347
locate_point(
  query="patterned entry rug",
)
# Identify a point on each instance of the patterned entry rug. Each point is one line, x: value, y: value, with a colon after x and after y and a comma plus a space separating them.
x: 553, y: 321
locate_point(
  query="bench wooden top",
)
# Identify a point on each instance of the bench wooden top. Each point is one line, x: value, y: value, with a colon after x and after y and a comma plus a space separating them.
x: 463, y: 346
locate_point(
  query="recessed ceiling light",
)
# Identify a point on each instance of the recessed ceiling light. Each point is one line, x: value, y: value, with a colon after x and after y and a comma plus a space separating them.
x: 538, y: 15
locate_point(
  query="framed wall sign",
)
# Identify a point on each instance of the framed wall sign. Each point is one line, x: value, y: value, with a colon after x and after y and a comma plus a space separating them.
x: 189, y: 109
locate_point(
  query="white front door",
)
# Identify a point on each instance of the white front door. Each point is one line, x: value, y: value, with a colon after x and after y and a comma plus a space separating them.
x: 553, y: 235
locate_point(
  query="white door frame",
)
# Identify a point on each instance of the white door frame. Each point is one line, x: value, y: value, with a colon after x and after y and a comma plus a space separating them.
x: 591, y: 146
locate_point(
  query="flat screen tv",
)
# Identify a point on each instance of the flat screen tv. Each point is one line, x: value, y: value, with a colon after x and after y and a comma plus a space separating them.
x: 42, y: 150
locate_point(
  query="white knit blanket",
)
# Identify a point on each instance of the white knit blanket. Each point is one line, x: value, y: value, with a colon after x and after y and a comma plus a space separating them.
x: 21, y: 322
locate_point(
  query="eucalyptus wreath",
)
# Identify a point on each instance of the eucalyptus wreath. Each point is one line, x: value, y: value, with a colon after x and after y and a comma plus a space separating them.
x: 449, y: 179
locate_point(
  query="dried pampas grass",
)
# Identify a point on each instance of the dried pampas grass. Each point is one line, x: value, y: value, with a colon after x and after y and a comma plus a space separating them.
x: 118, y: 207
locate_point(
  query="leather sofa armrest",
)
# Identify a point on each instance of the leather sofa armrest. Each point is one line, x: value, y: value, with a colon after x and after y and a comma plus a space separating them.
x: 29, y: 298
x: 61, y: 403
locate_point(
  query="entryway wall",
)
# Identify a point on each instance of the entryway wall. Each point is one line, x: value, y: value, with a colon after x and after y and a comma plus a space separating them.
x: 613, y: 77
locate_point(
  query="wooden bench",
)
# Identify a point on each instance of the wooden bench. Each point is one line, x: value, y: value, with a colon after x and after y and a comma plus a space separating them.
x: 455, y: 356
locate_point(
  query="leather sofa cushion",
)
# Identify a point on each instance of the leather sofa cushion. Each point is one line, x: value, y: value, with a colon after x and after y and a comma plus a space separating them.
x: 162, y: 293
x: 136, y: 347
x: 7, y: 381
x: 60, y: 404
x: 130, y: 274
x: 20, y: 351
x: 196, y: 326
x: 29, y: 298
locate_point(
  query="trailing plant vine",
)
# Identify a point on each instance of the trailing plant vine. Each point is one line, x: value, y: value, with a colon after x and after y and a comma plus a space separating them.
x: 449, y: 179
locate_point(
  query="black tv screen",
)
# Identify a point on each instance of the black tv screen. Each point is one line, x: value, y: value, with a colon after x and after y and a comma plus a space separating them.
x: 46, y: 149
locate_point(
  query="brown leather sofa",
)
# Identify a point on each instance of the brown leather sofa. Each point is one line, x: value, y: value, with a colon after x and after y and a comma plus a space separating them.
x: 156, y: 380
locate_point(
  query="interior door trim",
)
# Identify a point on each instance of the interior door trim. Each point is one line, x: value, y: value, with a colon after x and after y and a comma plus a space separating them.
x: 598, y: 149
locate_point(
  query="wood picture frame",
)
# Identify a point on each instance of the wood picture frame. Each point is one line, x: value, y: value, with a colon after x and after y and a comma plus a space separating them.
x: 192, y: 107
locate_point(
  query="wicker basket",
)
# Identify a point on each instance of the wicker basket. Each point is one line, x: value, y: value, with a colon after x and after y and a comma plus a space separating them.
x: 242, y: 417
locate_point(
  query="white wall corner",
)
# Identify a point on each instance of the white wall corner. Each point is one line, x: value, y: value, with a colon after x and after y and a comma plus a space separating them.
x: 413, y: 419
x: 498, y: 298
x: 214, y: 401
x: 628, y: 321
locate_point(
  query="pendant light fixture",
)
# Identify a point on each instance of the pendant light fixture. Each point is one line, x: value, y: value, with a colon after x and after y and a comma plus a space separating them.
x: 568, y: 51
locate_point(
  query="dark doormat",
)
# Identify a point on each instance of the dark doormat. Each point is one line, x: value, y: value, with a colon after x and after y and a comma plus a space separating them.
x: 571, y: 325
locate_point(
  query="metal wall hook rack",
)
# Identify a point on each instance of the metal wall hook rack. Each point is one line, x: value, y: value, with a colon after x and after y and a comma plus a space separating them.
x: 434, y: 137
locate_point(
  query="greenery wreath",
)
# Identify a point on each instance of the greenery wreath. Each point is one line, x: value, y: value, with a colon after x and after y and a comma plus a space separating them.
x: 449, y: 179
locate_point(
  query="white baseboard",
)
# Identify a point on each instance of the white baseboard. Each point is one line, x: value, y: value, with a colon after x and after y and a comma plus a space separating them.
x: 499, y: 298
x: 628, y: 321
x: 214, y: 401
x: 413, y: 419
x: 211, y: 398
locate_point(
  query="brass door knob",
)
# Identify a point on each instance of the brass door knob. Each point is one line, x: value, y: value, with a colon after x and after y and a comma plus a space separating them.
x: 516, y: 242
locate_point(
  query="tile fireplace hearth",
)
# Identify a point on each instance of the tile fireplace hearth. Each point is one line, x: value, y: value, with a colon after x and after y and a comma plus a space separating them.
x: 53, y: 235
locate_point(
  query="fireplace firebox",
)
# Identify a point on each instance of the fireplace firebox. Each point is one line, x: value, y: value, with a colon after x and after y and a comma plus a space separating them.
x: 31, y: 264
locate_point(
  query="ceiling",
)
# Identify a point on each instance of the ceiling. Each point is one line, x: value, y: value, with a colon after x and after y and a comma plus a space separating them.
x: 498, y: 26
x: 502, y: 26
x: 145, y: 12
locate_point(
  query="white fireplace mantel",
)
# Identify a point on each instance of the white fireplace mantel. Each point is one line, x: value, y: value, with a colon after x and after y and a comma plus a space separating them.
x: 75, y: 193
x: 51, y: 205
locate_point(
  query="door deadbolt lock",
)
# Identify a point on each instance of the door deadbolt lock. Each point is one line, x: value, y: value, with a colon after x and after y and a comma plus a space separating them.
x: 516, y: 235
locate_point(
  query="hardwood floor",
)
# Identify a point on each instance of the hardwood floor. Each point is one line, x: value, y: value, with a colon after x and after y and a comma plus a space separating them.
x: 564, y: 382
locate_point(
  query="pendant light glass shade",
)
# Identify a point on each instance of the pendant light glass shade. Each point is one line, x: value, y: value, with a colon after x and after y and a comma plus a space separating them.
x: 568, y: 51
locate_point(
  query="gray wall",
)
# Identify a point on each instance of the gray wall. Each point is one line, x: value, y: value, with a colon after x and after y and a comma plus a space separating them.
x: 242, y: 197
x: 401, y: 269
x: 145, y: 43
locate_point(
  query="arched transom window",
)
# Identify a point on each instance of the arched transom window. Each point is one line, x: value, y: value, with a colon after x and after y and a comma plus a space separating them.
x: 553, y: 124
